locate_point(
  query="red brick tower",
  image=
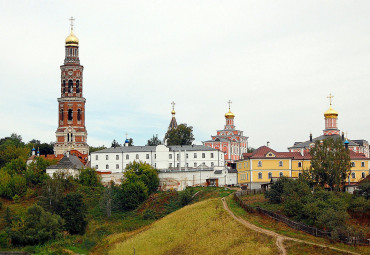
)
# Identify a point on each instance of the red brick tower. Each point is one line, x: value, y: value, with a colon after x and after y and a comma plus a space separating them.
x: 71, y: 133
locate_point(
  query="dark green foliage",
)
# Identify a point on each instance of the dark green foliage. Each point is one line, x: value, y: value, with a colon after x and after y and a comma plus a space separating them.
x: 330, y: 163
x: 12, y: 148
x: 364, y: 188
x: 1, y: 205
x: 140, y: 171
x: 277, y: 189
x: 15, y: 166
x: 37, y: 227
x: 131, y: 194
x: 154, y: 141
x: 5, y: 185
x: 98, y: 148
x: 115, y: 144
x: 186, y: 196
x: 74, y: 213
x: 130, y: 142
x: 182, y: 135
x: 5, y: 240
x: 149, y: 215
x: 8, y: 217
x: 89, y: 177
x: 52, y: 195
x: 18, y: 185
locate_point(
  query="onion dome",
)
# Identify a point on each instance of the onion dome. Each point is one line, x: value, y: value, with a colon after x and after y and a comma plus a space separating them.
x: 331, y: 113
x: 229, y: 115
x: 127, y: 141
x: 72, y: 40
x: 33, y: 149
x: 346, y: 142
x: 173, y: 112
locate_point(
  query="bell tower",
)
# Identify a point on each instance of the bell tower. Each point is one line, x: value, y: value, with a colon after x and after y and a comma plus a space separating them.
x: 71, y: 133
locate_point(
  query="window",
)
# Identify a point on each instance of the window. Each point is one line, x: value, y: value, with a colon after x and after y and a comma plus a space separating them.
x: 170, y: 156
x: 187, y: 164
x: 96, y: 167
x: 77, y: 86
x: 79, y: 114
x: 117, y: 166
x: 363, y: 175
x: 155, y: 156
x: 211, y: 155
x: 137, y: 156
x: 61, y: 114
x: 70, y: 86
x: 299, y: 164
x: 195, y: 155
x: 106, y: 166
x: 177, y: 156
x: 64, y: 86
x: 117, y: 157
x: 259, y: 175
x: 363, y: 164
x: 212, y: 164
x: 353, y: 175
x: 270, y: 175
x: 96, y: 157
x: 70, y: 114
x: 203, y: 155
x: 242, y: 177
x: 260, y: 163
x: 106, y: 157
x: 178, y: 164
x: 127, y: 156
x: 170, y: 165
x: 187, y: 155
x: 147, y: 156
x: 195, y: 164
x: 280, y: 163
x: 353, y: 164
x: 281, y: 174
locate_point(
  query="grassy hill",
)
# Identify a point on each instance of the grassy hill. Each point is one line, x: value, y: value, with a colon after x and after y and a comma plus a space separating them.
x: 201, y: 228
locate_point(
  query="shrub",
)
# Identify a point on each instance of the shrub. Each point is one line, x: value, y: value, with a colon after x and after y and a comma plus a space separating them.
x: 89, y: 177
x: 74, y: 213
x: 186, y: 196
x: 37, y: 227
x: 277, y: 189
x: 18, y: 185
x: 16, y: 199
x: 131, y: 194
x: 4, y: 239
x: 149, y: 215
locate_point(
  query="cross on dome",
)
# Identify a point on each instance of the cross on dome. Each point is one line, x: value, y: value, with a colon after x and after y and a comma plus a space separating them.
x: 71, y: 19
x: 330, y: 98
x: 229, y: 102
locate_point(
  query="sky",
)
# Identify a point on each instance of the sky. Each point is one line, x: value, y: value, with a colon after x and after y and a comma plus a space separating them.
x: 277, y: 61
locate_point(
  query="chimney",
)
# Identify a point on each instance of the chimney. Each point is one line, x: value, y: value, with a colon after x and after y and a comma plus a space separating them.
x: 310, y: 137
x: 268, y: 143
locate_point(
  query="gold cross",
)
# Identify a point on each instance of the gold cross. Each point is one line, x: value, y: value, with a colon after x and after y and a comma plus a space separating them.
x: 229, y: 102
x: 173, y: 105
x: 71, y: 20
x: 330, y: 97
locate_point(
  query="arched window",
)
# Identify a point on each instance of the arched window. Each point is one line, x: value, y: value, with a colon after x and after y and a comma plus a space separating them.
x: 70, y: 114
x: 281, y: 174
x: 363, y: 175
x: 259, y: 175
x: 70, y: 86
x: 270, y: 175
x: 61, y: 114
x: 79, y: 114
x: 353, y: 175
x: 77, y: 86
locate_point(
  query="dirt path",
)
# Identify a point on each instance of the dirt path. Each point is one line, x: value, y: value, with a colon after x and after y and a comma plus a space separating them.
x: 279, y: 238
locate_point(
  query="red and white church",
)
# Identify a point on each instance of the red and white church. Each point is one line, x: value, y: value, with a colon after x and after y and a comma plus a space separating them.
x: 229, y: 140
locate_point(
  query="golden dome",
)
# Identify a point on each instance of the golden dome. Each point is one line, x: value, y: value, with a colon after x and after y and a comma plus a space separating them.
x: 173, y: 112
x: 331, y: 113
x: 72, y: 40
x: 229, y: 115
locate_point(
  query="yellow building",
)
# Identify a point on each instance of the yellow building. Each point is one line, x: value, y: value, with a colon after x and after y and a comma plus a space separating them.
x: 259, y: 167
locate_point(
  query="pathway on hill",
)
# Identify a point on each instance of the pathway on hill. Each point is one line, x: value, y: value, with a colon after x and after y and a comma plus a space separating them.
x: 279, y: 238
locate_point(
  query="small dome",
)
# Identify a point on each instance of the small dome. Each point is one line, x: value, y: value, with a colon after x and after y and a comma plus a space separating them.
x: 33, y: 149
x: 331, y: 113
x: 127, y: 141
x: 229, y: 115
x: 173, y: 112
x: 72, y: 40
x: 346, y: 142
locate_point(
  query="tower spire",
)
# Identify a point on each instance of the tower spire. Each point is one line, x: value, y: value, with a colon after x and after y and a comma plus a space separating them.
x: 173, y: 123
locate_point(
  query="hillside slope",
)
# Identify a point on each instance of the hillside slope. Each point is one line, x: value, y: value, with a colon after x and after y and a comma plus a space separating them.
x: 201, y: 228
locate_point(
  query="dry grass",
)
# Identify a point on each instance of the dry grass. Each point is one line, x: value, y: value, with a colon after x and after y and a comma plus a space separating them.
x: 201, y: 228
x: 306, y: 249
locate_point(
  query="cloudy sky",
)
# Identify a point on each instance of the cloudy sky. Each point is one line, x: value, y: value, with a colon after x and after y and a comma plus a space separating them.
x: 276, y: 60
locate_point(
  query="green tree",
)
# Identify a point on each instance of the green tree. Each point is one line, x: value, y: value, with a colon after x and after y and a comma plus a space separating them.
x: 74, y: 213
x: 52, y: 195
x: 330, y: 163
x: 182, y: 135
x: 98, y: 148
x: 36, y: 171
x: 130, y: 142
x: 131, y: 194
x: 11, y: 148
x: 364, y: 188
x: 37, y: 227
x: 143, y: 172
x: 89, y: 177
x: 5, y: 185
x: 115, y: 144
x: 154, y: 141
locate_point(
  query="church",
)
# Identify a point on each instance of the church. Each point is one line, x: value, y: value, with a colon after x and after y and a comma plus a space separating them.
x: 229, y: 140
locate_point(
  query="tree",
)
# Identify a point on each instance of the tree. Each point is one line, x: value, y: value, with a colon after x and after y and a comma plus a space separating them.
x: 98, y: 148
x: 74, y: 213
x: 140, y: 171
x: 182, y: 135
x: 36, y: 171
x: 89, y: 177
x: 132, y: 194
x: 130, y: 142
x: 330, y: 163
x: 154, y: 141
x: 52, y: 195
x: 250, y: 149
x: 37, y: 227
x: 115, y: 144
